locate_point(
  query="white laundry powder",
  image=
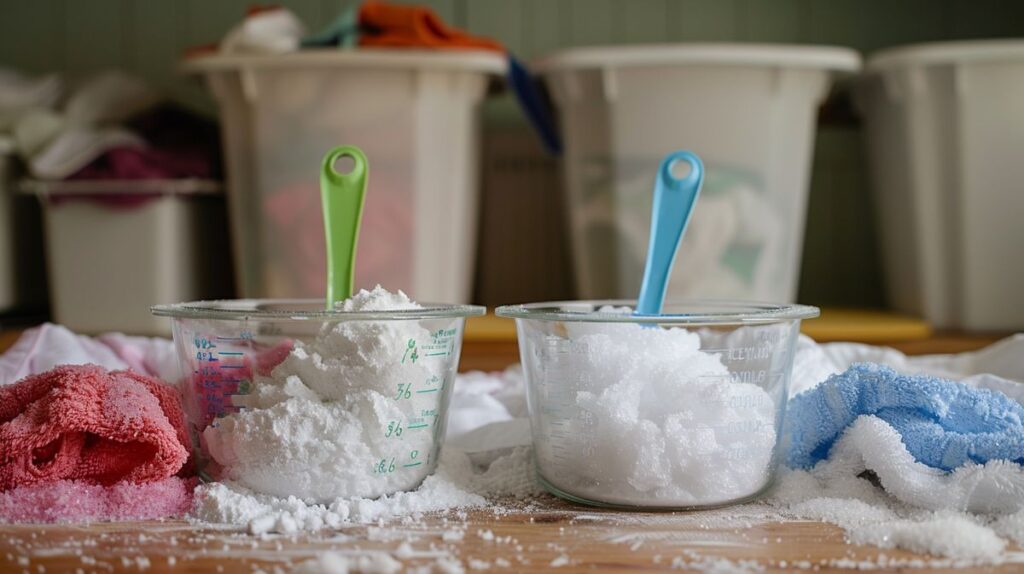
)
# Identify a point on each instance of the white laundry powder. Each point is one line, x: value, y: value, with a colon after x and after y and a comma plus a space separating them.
x: 458, y: 483
x: 353, y: 413
x: 870, y: 516
x: 836, y: 493
x: 338, y: 563
x: 635, y: 415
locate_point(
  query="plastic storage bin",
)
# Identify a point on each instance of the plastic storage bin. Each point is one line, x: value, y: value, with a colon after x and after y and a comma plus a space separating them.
x: 945, y: 133
x: 748, y: 110
x: 413, y: 113
x: 115, y: 248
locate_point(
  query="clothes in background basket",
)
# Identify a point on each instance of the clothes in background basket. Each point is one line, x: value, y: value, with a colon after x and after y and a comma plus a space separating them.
x: 114, y: 126
x: 379, y: 24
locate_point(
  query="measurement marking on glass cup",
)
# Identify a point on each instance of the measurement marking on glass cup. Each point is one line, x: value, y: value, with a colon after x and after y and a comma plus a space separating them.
x: 232, y: 366
x: 412, y: 464
x: 419, y: 426
x: 742, y: 354
x: 426, y: 391
x: 203, y: 343
x: 232, y: 353
x: 754, y: 376
x: 410, y: 352
x: 384, y: 466
x: 394, y: 429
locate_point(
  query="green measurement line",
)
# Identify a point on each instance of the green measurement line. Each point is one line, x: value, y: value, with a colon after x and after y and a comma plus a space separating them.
x: 412, y: 465
x: 414, y: 427
x: 442, y: 353
x: 427, y: 391
x: 229, y: 353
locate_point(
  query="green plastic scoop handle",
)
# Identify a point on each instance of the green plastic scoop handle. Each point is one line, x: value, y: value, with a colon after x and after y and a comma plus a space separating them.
x: 342, y: 198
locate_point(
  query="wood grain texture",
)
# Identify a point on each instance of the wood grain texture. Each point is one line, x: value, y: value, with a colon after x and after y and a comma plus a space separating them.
x: 549, y: 535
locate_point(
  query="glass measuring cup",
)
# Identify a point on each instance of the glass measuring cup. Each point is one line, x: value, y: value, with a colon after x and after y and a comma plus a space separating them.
x: 369, y: 391
x: 673, y: 411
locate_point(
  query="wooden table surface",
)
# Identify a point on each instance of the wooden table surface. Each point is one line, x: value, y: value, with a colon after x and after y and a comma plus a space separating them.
x: 550, y: 535
x: 547, y: 534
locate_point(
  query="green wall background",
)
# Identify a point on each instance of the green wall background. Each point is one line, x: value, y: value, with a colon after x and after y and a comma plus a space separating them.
x: 841, y: 266
x: 147, y: 36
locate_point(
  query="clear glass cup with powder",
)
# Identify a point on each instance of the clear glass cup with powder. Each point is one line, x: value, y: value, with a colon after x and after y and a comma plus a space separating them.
x: 675, y: 411
x: 285, y: 398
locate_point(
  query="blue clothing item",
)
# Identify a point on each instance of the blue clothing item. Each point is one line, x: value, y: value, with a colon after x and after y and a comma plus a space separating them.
x: 944, y: 424
x: 534, y: 104
x: 343, y: 32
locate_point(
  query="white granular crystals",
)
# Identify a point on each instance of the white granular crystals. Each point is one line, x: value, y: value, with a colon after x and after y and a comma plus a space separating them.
x: 343, y: 431
x: 650, y: 419
x: 350, y: 414
x: 667, y: 432
x: 458, y: 483
x: 870, y: 516
x: 338, y: 563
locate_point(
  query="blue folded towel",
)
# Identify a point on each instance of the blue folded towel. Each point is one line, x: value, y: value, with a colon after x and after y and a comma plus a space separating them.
x: 944, y: 424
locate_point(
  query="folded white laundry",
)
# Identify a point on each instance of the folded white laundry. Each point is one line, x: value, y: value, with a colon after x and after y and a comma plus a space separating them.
x: 272, y: 31
x: 56, y: 144
x: 996, y: 487
x: 20, y: 93
x: 75, y: 148
x: 109, y: 97
x: 34, y: 129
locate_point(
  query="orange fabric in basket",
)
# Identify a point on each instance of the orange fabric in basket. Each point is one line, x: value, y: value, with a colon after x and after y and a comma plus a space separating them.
x: 401, y: 26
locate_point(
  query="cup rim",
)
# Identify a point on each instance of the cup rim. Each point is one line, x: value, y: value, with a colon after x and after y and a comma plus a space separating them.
x: 304, y: 310
x: 704, y: 312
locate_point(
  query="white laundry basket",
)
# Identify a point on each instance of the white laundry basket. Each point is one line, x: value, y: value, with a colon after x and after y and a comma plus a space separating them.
x: 115, y: 248
x: 414, y: 114
x: 748, y: 110
x: 945, y: 132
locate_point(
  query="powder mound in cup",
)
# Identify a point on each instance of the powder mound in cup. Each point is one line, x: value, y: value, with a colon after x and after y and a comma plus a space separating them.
x: 317, y: 425
x: 459, y: 483
x: 659, y: 422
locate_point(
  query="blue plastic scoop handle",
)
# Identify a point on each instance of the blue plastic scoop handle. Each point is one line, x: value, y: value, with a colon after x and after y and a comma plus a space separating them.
x: 673, y: 203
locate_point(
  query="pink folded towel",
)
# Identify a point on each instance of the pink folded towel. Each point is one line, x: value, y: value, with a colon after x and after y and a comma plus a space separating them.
x: 81, y: 422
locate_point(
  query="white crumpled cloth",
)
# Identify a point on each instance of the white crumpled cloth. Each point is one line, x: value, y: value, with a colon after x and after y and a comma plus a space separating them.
x: 43, y: 348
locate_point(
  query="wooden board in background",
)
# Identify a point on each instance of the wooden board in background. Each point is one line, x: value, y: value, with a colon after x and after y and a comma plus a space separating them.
x: 858, y: 325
